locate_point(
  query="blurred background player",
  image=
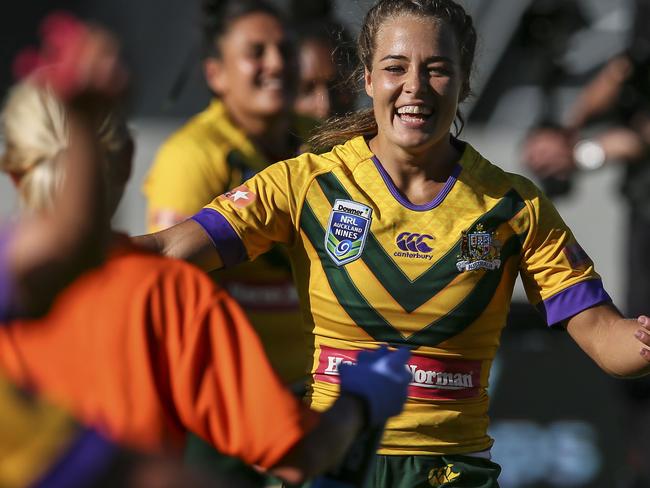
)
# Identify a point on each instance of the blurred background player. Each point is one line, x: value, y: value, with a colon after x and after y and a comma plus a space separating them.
x: 326, y: 59
x: 609, y: 123
x: 144, y: 347
x: 250, y: 66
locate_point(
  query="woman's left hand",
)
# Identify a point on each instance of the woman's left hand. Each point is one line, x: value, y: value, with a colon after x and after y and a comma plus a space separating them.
x: 643, y: 336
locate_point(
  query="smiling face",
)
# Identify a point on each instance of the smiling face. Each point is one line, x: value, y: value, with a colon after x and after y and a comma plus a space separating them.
x: 255, y: 73
x: 415, y: 82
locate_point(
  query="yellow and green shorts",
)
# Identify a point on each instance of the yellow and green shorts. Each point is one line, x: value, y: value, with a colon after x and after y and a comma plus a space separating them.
x: 452, y: 471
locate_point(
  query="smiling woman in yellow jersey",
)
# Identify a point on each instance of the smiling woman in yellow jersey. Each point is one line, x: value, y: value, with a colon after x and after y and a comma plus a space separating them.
x: 404, y: 235
x: 374, y: 268
x: 249, y: 65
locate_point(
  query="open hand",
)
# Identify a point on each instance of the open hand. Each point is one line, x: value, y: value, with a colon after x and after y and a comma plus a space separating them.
x: 643, y: 335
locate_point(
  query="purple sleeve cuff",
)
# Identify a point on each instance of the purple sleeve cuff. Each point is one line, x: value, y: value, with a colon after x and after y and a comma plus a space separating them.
x: 87, y: 459
x: 573, y: 300
x: 225, y: 239
x: 6, y: 279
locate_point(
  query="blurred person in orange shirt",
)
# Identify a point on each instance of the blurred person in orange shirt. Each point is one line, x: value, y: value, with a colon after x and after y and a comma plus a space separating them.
x: 41, y: 444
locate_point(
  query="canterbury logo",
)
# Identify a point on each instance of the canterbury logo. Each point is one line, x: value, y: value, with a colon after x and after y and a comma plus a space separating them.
x: 442, y: 476
x: 414, y: 242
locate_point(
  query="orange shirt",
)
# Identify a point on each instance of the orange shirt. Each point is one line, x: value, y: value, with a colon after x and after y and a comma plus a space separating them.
x: 146, y: 347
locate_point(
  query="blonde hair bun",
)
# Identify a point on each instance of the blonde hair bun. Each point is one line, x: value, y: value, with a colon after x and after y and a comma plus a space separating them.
x: 34, y: 127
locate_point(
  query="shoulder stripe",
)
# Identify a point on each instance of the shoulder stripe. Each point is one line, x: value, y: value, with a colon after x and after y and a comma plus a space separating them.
x: 226, y: 241
x: 573, y: 300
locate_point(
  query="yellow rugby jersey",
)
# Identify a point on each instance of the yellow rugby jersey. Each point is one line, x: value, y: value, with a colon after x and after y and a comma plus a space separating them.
x: 203, y: 159
x: 371, y: 268
x: 206, y: 157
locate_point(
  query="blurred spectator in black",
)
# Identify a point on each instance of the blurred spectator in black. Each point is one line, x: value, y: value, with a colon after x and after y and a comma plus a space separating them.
x: 326, y: 57
x: 619, y: 95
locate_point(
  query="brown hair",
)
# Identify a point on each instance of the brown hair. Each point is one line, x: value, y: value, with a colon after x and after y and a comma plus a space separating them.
x: 362, y: 123
x: 219, y: 16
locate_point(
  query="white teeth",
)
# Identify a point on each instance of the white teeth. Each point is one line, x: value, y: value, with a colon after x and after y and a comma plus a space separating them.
x: 414, y: 109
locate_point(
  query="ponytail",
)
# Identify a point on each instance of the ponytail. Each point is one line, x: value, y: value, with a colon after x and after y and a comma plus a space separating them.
x: 338, y: 130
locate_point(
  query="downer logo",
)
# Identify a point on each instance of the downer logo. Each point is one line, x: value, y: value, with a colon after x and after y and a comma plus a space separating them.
x: 414, y: 245
x: 361, y: 212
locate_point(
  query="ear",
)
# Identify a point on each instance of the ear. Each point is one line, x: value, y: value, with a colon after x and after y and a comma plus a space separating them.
x: 214, y: 75
x: 367, y: 78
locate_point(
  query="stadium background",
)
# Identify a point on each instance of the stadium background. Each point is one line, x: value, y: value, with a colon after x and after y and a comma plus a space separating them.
x: 556, y: 418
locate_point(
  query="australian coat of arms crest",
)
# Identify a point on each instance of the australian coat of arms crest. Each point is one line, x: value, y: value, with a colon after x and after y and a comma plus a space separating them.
x: 479, y: 249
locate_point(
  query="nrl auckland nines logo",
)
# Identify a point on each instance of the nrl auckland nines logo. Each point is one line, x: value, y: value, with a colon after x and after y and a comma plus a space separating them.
x: 347, y: 229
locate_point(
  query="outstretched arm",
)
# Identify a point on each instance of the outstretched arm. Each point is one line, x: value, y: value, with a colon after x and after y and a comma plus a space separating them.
x: 618, y: 345
x: 187, y: 241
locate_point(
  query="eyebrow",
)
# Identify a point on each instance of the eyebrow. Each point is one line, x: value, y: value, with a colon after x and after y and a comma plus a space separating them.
x: 430, y: 59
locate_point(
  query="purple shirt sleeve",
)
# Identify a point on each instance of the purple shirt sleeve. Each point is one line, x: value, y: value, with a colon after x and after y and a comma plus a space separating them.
x: 6, y: 279
x: 573, y: 300
x: 224, y: 237
x: 82, y: 464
